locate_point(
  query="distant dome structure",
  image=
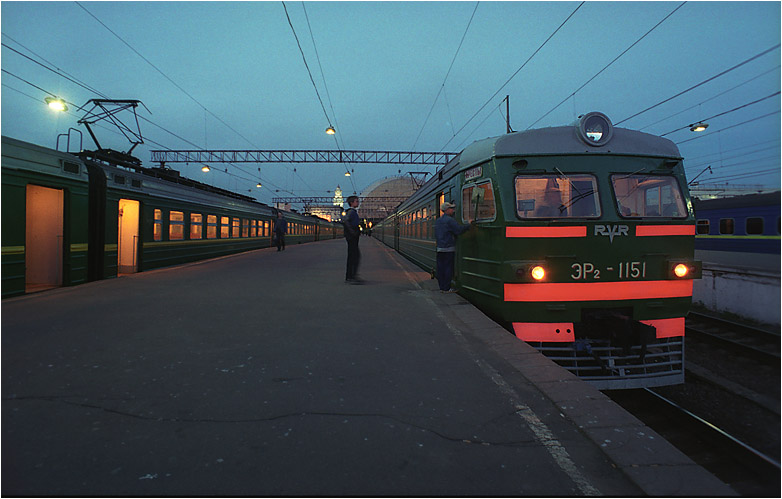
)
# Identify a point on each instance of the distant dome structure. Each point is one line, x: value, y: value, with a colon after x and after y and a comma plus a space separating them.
x: 381, y: 197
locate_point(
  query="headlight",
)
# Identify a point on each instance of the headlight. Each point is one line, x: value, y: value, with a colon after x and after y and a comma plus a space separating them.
x: 681, y: 270
x: 595, y: 129
x: 538, y: 272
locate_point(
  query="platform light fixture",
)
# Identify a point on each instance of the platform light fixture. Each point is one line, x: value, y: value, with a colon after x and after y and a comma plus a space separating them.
x: 56, y: 104
x: 258, y: 185
x: 330, y: 130
x: 347, y: 174
x: 205, y: 168
x: 699, y: 127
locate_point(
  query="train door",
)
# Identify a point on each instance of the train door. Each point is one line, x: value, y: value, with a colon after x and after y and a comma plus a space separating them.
x: 44, y: 229
x: 127, y: 243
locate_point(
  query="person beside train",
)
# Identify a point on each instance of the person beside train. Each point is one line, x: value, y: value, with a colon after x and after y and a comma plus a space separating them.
x: 280, y: 229
x: 352, y: 235
x: 446, y: 230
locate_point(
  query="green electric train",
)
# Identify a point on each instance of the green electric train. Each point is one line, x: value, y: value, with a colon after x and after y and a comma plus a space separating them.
x: 583, y: 245
x: 72, y: 218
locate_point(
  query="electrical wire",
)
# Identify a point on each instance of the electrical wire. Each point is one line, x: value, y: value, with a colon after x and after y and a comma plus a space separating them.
x: 609, y: 64
x: 700, y: 84
x: 174, y: 83
x: 447, y: 73
x: 514, y: 74
x: 723, y: 114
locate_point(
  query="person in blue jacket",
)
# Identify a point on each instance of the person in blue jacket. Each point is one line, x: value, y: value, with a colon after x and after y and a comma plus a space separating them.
x: 446, y: 229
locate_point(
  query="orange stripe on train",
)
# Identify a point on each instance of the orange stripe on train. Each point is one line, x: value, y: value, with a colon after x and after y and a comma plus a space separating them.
x: 664, y: 230
x: 578, y: 231
x: 595, y: 291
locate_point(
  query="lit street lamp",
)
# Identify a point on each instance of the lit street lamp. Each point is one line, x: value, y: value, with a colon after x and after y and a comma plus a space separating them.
x: 56, y: 104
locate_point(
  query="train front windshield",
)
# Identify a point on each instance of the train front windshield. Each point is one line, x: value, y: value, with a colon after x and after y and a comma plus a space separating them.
x: 577, y: 196
x: 553, y: 196
x: 648, y: 196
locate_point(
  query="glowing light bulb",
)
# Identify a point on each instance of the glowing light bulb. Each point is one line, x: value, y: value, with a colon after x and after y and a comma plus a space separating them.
x: 538, y: 272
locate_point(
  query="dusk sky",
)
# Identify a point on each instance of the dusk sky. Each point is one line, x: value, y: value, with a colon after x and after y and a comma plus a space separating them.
x: 230, y: 75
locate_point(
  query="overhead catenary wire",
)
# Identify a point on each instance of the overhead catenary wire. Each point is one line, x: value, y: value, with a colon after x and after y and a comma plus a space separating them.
x: 723, y: 113
x: 701, y: 83
x: 171, y: 80
x: 447, y: 73
x: 513, y: 75
x: 609, y: 64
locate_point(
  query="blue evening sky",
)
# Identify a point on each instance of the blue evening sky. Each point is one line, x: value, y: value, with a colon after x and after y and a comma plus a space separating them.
x: 229, y: 75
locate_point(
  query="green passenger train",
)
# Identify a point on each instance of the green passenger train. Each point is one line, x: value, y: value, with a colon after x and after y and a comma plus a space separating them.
x: 73, y: 218
x: 583, y: 246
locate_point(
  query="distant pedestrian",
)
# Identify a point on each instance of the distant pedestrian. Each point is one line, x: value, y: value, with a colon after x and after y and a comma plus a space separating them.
x: 446, y: 229
x: 280, y: 229
x: 352, y: 235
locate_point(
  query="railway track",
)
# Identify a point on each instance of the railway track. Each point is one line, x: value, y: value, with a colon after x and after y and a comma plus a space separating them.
x: 749, y: 471
x: 759, y: 344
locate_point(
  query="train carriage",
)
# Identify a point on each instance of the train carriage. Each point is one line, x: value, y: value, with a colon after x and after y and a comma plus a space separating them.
x: 583, y: 247
x: 71, y: 218
x: 44, y: 222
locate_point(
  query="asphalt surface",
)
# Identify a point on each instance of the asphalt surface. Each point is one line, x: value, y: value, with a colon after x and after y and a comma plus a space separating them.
x: 265, y: 374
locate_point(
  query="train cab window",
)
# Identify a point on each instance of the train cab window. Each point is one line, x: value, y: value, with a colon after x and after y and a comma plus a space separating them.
x: 702, y: 226
x: 557, y: 196
x: 754, y: 226
x: 196, y: 226
x: 727, y: 225
x: 235, y: 230
x: 648, y: 196
x: 157, y: 230
x: 225, y: 229
x: 478, y: 202
x: 176, y: 225
x: 211, y: 226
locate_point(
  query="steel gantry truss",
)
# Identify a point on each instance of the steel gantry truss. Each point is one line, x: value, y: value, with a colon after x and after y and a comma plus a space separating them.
x: 302, y: 156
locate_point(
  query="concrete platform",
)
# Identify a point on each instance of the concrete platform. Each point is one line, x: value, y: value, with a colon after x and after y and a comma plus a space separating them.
x: 265, y: 374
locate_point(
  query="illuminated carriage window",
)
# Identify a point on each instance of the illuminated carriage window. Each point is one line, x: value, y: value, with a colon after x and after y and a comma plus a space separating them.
x: 225, y: 228
x: 176, y: 226
x: 157, y: 231
x: 266, y: 228
x: 245, y: 227
x: 702, y: 226
x: 754, y: 226
x: 557, y: 196
x: 211, y: 226
x: 648, y: 196
x: 727, y: 226
x: 235, y: 229
x: 196, y: 225
x: 480, y: 197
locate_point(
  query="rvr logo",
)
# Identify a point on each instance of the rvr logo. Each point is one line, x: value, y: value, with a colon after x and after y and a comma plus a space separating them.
x: 611, y: 231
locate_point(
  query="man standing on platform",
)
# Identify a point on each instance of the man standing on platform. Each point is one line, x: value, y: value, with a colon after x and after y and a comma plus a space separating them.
x: 446, y: 229
x: 352, y: 235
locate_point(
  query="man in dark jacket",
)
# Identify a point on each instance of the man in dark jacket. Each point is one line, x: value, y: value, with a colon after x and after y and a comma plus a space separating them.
x: 352, y: 235
x: 280, y: 228
x: 446, y: 229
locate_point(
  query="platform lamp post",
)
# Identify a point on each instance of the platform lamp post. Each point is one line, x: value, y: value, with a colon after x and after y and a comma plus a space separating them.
x: 56, y: 104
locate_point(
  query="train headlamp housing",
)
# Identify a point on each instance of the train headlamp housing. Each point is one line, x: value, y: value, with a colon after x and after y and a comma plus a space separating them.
x: 684, y: 270
x: 595, y: 129
x: 537, y: 272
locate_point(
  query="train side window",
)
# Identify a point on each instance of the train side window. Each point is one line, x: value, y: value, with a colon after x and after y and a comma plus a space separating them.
x: 266, y: 228
x: 176, y: 225
x: 253, y: 228
x: 478, y: 202
x: 157, y: 231
x: 557, y: 196
x: 727, y: 225
x: 196, y: 226
x: 245, y: 227
x: 225, y: 229
x: 211, y: 226
x: 235, y: 230
x: 702, y: 226
x: 754, y: 225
